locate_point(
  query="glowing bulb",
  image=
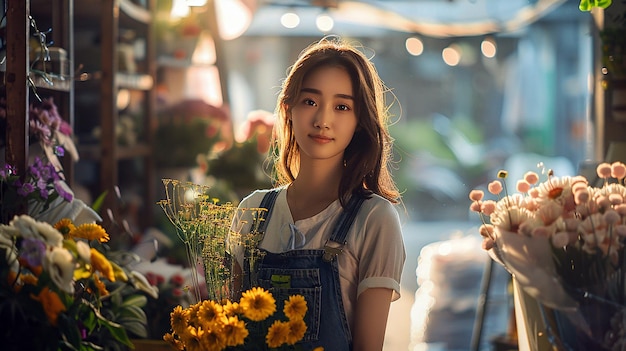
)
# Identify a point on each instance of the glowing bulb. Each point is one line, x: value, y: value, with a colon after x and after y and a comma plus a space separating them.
x: 488, y: 47
x: 324, y: 23
x: 414, y: 46
x: 451, y: 55
x: 290, y: 20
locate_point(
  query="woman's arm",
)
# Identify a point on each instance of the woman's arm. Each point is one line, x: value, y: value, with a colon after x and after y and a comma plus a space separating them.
x: 370, y: 319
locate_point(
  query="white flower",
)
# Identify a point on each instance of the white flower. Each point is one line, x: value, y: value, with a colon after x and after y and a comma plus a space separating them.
x: 6, y: 243
x: 84, y: 251
x: 59, y: 263
x: 27, y: 227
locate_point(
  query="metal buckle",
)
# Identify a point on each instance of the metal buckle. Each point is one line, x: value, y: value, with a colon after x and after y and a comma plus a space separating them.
x: 331, y: 252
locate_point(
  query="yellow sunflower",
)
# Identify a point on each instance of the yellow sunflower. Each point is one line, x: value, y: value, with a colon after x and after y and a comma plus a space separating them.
x: 231, y: 308
x: 192, y: 338
x: 297, y: 328
x: 209, y: 313
x: 234, y: 331
x: 295, y: 307
x: 65, y: 226
x: 257, y: 304
x: 179, y: 318
x: 172, y: 340
x: 277, y: 334
x: 90, y: 231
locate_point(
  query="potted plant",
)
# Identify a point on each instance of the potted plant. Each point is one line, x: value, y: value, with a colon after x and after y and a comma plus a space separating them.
x: 189, y: 129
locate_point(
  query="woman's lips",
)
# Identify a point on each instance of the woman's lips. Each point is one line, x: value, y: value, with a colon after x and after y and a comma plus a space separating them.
x: 322, y: 139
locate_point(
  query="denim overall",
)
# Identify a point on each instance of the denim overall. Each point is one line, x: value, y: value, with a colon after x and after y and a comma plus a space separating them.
x: 313, y: 274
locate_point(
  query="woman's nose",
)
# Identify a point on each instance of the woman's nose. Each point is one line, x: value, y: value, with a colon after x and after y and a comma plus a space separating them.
x: 322, y: 118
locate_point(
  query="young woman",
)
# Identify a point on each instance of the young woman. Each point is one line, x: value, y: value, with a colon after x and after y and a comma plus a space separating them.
x: 332, y: 232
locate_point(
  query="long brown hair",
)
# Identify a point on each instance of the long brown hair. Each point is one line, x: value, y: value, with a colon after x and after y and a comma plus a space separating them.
x: 368, y: 154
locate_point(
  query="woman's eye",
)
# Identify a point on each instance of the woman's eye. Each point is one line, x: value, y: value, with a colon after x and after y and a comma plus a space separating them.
x: 343, y: 107
x: 309, y: 102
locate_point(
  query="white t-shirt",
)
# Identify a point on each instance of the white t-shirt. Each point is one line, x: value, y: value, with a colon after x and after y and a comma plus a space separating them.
x: 373, y: 256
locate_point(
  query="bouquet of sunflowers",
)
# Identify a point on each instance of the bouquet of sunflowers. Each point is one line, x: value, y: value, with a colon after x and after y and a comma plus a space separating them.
x: 249, y: 324
x: 563, y: 241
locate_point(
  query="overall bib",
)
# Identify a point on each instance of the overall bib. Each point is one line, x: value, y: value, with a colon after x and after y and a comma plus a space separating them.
x: 313, y: 274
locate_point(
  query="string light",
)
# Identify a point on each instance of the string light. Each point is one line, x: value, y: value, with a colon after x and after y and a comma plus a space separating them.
x: 488, y: 47
x: 414, y: 46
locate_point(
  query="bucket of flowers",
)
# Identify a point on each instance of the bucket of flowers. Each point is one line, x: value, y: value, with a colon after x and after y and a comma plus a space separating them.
x: 562, y: 239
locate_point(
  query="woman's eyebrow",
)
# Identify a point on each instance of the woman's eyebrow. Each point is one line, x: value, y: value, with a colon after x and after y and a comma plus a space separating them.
x: 318, y: 92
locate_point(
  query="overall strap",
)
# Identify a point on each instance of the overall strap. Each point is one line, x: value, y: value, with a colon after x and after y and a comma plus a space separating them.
x: 334, y: 246
x: 268, y: 203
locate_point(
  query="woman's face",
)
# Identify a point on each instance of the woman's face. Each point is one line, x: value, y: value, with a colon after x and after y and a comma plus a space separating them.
x: 323, y: 117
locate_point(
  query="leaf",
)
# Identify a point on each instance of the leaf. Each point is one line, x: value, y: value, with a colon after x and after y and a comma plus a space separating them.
x: 135, y: 312
x: 135, y: 300
x: 98, y: 203
x: 117, y: 332
x: 136, y: 328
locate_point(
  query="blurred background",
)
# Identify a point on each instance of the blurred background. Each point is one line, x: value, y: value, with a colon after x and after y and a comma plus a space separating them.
x: 475, y: 86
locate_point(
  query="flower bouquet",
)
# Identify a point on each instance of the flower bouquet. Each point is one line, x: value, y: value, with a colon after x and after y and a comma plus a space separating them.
x: 249, y: 324
x: 204, y: 227
x: 563, y: 241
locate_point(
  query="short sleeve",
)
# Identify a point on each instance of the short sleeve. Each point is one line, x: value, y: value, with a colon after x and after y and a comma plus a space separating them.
x: 381, y: 252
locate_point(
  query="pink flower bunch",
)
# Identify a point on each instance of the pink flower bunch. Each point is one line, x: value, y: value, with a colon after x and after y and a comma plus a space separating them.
x: 558, y: 237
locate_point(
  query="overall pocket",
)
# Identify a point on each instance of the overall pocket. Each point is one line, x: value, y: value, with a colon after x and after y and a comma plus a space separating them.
x: 283, y: 283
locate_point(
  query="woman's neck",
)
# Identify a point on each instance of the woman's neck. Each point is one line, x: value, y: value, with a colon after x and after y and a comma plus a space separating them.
x: 314, y: 189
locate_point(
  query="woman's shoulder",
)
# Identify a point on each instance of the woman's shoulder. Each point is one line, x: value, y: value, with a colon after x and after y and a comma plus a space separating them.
x: 254, y: 198
x: 378, y: 207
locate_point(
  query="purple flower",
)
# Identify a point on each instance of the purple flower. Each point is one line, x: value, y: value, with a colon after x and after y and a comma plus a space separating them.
x: 33, y: 251
x: 59, y: 151
x: 24, y: 189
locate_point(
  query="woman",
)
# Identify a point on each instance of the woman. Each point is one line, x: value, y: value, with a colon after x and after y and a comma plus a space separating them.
x: 331, y: 232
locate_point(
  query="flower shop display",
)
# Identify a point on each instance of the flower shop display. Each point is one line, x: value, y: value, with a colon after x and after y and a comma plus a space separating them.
x: 563, y: 241
x: 56, y: 289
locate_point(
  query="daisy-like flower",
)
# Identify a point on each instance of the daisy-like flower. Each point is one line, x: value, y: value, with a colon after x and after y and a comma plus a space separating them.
x: 101, y: 264
x: 27, y: 227
x: 277, y: 334
x: 65, y: 226
x: 295, y: 307
x: 234, y: 331
x: 51, y: 303
x: 59, y: 263
x: 179, y: 318
x: 90, y: 231
x: 172, y: 340
x: 210, y: 313
x: 231, y: 308
x: 297, y: 328
x: 257, y: 304
x: 193, y: 339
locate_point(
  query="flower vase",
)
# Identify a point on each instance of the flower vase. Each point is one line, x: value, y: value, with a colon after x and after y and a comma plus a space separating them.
x: 597, y: 324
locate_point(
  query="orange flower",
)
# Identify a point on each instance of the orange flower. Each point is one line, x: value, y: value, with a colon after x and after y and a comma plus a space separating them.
x: 90, y: 231
x: 51, y: 303
x: 65, y: 226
